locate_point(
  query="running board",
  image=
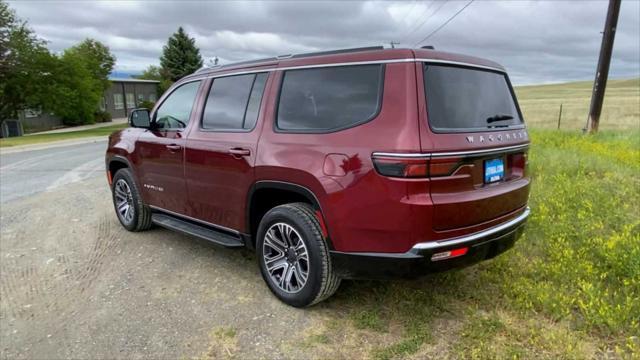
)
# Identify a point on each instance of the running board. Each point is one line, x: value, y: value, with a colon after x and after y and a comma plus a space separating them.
x: 199, y: 231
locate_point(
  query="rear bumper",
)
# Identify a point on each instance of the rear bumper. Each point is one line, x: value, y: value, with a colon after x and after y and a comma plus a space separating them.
x: 418, y: 261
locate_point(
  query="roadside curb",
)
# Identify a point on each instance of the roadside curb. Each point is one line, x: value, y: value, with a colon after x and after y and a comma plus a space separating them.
x: 52, y: 144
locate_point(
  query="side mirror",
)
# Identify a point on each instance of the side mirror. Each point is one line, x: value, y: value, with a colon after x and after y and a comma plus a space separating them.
x: 140, y: 118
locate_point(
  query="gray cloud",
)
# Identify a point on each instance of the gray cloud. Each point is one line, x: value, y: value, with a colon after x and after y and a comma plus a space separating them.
x: 538, y: 41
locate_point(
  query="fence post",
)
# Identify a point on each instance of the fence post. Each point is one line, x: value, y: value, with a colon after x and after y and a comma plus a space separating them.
x: 559, y: 116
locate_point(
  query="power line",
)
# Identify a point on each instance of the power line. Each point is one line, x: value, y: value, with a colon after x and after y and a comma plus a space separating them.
x: 410, y: 9
x: 414, y: 29
x: 444, y: 24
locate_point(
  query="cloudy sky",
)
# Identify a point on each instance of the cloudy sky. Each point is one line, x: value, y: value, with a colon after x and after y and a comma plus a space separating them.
x: 538, y: 41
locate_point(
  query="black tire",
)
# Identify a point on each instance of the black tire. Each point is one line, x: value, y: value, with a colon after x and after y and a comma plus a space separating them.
x: 141, y: 218
x: 321, y: 281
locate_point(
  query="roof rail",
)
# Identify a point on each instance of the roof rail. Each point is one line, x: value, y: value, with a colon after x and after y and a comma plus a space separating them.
x: 289, y: 56
x: 339, y: 51
x: 247, y: 62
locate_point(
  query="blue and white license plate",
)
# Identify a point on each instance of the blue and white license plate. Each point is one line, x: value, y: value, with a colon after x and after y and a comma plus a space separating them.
x: 493, y: 170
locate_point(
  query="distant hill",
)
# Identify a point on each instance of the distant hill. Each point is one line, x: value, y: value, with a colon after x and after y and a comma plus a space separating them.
x: 123, y: 74
x: 540, y: 104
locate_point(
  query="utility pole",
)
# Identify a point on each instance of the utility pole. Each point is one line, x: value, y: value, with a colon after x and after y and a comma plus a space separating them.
x: 393, y: 44
x: 604, y: 61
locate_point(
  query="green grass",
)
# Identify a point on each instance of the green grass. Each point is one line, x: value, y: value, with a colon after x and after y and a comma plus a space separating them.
x: 570, y: 288
x: 45, y: 138
x: 540, y: 105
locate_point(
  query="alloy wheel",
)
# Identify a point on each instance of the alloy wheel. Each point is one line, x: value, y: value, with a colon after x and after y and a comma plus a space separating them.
x: 285, y: 257
x: 124, y: 201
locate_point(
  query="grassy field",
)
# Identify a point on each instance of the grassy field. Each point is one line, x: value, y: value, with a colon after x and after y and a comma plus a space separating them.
x: 44, y: 138
x: 541, y: 105
x: 570, y: 288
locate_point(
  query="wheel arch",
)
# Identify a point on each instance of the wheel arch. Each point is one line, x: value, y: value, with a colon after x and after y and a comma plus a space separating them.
x: 116, y: 163
x: 270, y: 190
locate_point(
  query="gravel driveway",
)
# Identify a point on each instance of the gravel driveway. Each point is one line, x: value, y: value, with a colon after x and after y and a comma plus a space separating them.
x: 75, y: 284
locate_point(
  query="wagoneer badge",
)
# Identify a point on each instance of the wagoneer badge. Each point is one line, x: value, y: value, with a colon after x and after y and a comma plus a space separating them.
x: 499, y: 137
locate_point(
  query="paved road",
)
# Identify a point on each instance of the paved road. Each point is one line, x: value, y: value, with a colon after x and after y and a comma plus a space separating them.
x: 29, y: 172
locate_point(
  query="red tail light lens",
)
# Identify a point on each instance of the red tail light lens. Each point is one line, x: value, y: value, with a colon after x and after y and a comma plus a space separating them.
x: 415, y: 167
x: 444, y: 166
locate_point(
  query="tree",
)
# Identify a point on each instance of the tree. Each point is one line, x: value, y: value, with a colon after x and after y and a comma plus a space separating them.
x: 98, y: 59
x: 25, y: 66
x: 75, y: 91
x: 180, y: 57
x: 31, y: 77
x: 155, y: 73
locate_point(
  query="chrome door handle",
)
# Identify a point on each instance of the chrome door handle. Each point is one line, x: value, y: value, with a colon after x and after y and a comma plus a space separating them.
x: 239, y: 152
x: 174, y: 147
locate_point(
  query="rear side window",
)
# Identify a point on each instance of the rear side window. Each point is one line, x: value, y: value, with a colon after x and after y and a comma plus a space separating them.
x: 329, y: 99
x: 233, y: 102
x: 463, y: 99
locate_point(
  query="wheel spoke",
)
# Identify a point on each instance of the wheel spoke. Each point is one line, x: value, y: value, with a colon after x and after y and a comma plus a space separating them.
x: 286, y: 278
x: 283, y: 233
x: 120, y: 194
x: 285, y: 257
x: 122, y: 207
x: 275, y: 262
x: 281, y: 279
x: 273, y: 242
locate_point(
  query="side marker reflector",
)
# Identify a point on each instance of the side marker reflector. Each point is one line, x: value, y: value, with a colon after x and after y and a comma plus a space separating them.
x: 323, y: 226
x: 449, y: 254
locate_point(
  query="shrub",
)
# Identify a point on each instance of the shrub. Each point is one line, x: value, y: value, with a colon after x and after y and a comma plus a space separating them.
x: 102, y: 117
x: 146, y: 104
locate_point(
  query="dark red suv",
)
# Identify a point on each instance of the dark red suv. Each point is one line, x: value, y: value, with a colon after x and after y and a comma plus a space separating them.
x: 360, y: 163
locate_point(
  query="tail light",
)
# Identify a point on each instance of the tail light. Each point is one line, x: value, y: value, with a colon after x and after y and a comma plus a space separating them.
x: 402, y: 166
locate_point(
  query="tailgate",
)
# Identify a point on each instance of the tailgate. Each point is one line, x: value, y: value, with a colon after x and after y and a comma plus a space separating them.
x: 468, y: 191
x: 473, y: 130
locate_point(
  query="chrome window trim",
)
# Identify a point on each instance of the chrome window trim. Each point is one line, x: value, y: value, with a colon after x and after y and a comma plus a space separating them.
x: 453, y: 153
x: 195, y: 220
x: 352, y: 63
x: 483, y: 151
x: 479, y: 235
x: 402, y: 155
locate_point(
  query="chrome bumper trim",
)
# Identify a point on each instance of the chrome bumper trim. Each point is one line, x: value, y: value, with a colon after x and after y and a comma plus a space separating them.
x: 513, y: 223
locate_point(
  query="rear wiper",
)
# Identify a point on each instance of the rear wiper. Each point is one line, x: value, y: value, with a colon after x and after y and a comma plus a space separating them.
x: 499, y: 117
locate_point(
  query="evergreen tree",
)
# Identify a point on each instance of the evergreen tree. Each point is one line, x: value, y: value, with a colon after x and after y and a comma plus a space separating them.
x: 180, y: 57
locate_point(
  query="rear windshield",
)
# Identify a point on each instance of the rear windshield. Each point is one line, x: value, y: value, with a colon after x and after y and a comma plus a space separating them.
x: 463, y: 99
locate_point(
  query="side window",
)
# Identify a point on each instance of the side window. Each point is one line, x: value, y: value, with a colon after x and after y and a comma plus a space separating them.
x: 233, y: 102
x: 329, y: 99
x: 175, y: 111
